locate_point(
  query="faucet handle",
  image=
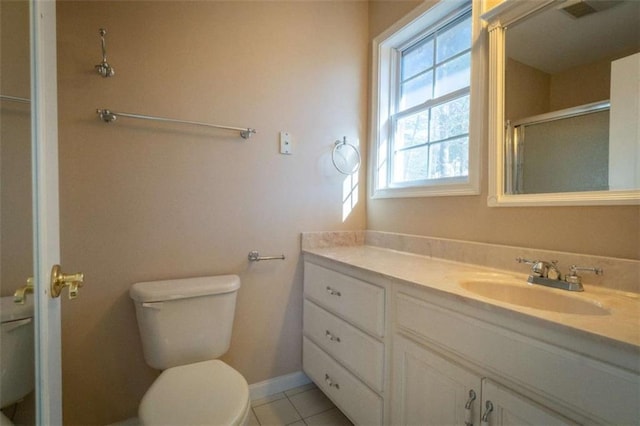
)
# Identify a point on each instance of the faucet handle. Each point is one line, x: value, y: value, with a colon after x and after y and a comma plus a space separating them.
x: 574, y: 269
x: 574, y: 278
x: 542, y: 268
x: 537, y: 267
x: 20, y: 294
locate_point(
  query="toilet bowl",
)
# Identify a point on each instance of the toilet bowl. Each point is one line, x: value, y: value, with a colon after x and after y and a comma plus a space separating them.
x: 185, y: 325
x: 16, y: 352
x: 208, y: 392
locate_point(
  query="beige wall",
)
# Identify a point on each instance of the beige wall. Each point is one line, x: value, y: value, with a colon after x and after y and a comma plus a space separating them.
x: 384, y: 13
x: 536, y: 92
x: 608, y: 230
x: 583, y: 84
x: 145, y: 201
x: 580, y: 85
x: 528, y: 90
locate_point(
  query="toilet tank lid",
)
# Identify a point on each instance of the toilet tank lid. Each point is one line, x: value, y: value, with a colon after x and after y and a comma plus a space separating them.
x: 159, y: 291
x: 10, y: 311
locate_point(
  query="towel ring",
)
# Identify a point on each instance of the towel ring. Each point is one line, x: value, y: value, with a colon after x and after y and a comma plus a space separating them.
x: 345, y: 157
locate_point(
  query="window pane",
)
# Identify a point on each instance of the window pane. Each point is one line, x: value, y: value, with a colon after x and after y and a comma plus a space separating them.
x: 453, y: 75
x: 410, y: 165
x: 416, y: 91
x: 429, y: 115
x: 455, y: 40
x: 417, y: 59
x: 412, y: 130
x: 449, y: 159
x: 450, y: 119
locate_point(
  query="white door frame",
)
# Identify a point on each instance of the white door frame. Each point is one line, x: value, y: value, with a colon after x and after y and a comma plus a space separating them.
x: 44, y: 131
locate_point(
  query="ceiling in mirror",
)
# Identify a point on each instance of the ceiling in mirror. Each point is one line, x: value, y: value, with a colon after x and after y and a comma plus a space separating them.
x: 556, y: 40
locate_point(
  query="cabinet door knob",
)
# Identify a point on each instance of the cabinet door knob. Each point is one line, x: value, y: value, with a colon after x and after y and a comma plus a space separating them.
x: 331, y: 336
x: 468, y: 420
x: 484, y: 421
x: 330, y: 382
x: 333, y: 292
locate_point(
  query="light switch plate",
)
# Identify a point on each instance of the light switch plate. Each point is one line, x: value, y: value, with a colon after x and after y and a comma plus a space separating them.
x: 285, y: 143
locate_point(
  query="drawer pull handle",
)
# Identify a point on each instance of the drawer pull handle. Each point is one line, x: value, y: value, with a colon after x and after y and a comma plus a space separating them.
x: 485, y: 417
x: 331, y: 337
x: 468, y: 421
x: 330, y: 382
x: 333, y: 292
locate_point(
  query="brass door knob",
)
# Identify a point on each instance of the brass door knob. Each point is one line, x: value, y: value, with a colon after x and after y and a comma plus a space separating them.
x: 59, y: 280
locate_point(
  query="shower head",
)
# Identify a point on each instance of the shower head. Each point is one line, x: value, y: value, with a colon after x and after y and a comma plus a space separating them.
x: 105, y: 70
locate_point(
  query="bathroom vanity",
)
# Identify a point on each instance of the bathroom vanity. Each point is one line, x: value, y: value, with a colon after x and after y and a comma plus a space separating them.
x: 399, y: 338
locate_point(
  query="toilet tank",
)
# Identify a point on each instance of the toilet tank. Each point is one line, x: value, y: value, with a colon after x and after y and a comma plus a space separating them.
x: 183, y: 321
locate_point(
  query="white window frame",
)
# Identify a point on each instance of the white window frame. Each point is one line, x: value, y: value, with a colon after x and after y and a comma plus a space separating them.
x: 386, y: 56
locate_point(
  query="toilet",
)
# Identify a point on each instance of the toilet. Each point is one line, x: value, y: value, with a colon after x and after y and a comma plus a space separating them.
x: 17, y: 371
x: 185, y: 325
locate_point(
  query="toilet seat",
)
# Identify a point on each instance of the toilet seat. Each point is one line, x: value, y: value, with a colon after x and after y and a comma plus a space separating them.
x: 203, y: 393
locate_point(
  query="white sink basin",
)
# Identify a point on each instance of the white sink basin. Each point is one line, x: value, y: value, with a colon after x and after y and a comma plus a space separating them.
x: 535, y: 296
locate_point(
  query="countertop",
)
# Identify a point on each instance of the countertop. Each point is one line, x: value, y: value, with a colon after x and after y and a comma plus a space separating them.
x: 620, y: 327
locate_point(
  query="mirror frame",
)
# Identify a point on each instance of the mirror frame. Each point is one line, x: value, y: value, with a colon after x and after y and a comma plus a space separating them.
x: 498, y: 19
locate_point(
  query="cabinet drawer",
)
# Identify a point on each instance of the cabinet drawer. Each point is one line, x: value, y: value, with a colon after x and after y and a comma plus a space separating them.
x: 356, y: 301
x: 358, y: 402
x: 362, y: 354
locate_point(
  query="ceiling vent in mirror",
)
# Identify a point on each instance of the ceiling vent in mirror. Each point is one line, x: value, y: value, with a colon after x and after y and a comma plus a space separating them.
x: 580, y: 8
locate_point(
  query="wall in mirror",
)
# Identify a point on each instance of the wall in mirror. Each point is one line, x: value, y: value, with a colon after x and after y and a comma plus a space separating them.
x: 569, y: 74
x: 16, y: 247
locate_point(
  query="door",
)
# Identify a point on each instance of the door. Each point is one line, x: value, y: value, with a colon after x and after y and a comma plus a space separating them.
x: 430, y: 389
x: 502, y: 407
x: 44, y: 131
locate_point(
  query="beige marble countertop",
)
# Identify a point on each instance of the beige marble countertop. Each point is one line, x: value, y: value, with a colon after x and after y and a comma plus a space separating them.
x: 620, y: 326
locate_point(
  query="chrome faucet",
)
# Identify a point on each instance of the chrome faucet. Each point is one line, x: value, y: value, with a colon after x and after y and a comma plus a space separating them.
x: 547, y: 274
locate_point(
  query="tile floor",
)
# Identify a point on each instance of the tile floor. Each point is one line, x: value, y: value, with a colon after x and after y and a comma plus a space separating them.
x: 304, y: 405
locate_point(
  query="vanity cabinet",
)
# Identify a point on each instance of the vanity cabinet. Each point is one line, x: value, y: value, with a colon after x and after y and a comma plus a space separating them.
x: 388, y: 351
x: 344, y: 341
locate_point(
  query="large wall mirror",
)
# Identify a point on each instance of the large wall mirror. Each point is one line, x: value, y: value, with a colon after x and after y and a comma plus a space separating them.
x: 564, y: 102
x: 17, y: 400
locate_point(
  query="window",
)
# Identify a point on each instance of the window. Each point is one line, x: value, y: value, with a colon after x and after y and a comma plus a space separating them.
x: 424, y: 140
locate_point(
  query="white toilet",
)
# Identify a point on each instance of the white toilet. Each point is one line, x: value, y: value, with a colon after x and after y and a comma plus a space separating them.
x: 17, y: 369
x: 185, y: 324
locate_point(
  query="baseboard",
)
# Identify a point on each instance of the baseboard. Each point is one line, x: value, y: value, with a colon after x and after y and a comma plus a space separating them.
x: 277, y: 384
